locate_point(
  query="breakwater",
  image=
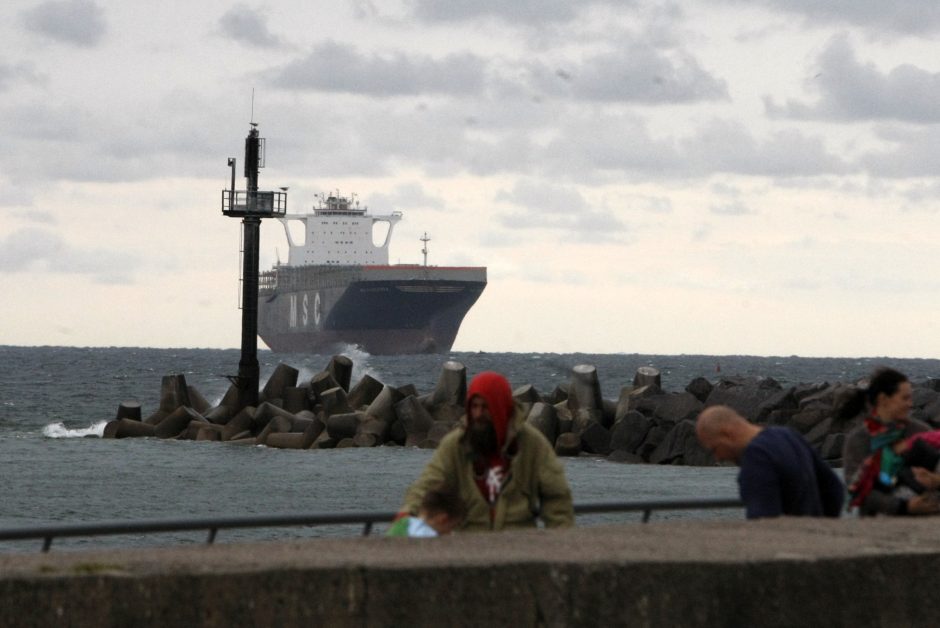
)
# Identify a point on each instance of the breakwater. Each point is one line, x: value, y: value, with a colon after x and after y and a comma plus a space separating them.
x: 644, y: 424
x: 784, y: 572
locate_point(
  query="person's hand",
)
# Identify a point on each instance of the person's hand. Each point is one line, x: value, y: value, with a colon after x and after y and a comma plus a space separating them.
x: 924, y: 504
x: 928, y: 479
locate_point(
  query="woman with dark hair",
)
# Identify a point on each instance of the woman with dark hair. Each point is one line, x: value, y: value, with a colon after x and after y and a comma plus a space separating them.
x: 876, y: 455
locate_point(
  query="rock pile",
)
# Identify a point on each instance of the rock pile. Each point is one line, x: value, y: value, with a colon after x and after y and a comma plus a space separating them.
x: 645, y: 423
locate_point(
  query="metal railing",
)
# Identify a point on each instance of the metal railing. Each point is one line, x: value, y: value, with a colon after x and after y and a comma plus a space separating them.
x: 213, y: 524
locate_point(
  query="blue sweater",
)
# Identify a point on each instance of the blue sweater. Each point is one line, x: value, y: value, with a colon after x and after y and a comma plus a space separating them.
x: 782, y: 475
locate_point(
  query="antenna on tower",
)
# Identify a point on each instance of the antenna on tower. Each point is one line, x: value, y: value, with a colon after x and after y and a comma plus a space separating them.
x: 252, y: 105
x: 424, y: 250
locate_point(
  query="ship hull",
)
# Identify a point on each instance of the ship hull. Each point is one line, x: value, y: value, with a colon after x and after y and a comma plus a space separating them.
x: 384, y: 310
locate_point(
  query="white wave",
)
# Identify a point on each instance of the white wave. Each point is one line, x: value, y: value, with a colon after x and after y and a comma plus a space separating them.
x: 58, y: 430
x: 360, y: 360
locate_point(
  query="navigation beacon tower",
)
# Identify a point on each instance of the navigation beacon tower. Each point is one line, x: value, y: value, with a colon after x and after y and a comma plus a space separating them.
x: 251, y: 205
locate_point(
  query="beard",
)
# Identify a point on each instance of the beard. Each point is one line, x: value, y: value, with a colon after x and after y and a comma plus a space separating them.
x: 482, y: 436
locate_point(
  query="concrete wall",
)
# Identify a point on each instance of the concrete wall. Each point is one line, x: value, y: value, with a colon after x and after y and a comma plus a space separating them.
x: 774, y: 573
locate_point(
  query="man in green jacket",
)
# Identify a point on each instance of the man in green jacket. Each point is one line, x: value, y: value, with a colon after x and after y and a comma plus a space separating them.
x: 505, y: 470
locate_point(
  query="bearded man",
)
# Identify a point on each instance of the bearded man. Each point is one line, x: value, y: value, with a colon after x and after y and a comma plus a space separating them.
x: 505, y: 471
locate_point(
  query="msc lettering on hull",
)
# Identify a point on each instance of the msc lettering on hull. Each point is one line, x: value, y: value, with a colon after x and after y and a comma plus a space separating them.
x: 304, y: 311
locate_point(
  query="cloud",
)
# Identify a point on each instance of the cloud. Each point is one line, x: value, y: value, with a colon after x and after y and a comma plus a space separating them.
x: 634, y: 73
x: 734, y: 208
x: 557, y: 207
x: 405, y: 196
x: 541, y: 198
x: 624, y: 144
x: 915, y: 17
x: 517, y: 11
x: 11, y: 73
x: 850, y: 90
x: 913, y: 154
x: 76, y: 22
x: 337, y: 67
x: 247, y: 26
x: 33, y: 249
x: 49, y: 140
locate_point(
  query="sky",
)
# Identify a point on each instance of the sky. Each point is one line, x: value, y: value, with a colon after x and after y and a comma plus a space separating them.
x: 705, y: 177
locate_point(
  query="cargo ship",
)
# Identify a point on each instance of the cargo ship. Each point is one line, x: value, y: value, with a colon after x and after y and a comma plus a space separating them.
x: 337, y: 288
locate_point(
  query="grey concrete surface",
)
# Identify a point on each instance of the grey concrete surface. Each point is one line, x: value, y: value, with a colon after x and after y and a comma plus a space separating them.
x: 785, y: 572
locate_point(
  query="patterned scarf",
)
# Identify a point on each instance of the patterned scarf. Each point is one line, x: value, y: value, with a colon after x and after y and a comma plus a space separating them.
x: 882, y: 465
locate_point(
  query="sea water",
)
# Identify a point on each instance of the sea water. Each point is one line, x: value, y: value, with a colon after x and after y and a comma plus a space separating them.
x: 55, y: 468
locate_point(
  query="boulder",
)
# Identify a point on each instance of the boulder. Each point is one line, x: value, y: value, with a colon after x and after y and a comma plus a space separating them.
x: 653, y: 438
x: 831, y: 448
x: 207, y: 433
x: 817, y: 435
x: 374, y: 427
x: 365, y: 440
x: 595, y: 439
x: 277, y: 425
x: 127, y: 428
x: 544, y: 418
x: 239, y: 423
x: 619, y: 455
x: 558, y: 395
x: 681, y: 446
x: 265, y: 412
x: 334, y: 401
x: 177, y: 421
x: 285, y: 440
x: 295, y: 399
x: 439, y: 429
x: 319, y: 383
x: 220, y: 415
x: 383, y: 406
x: 781, y: 406
x: 805, y: 420
x: 197, y: 401
x: 630, y: 431
x: 340, y: 367
x: 568, y: 444
x: 565, y: 420
x: 700, y: 387
x: 282, y: 377
x: 364, y: 392
x: 670, y: 408
x: 414, y: 417
x: 316, y: 427
x: 408, y: 390
x: 341, y: 426
x: 451, y: 388
x: 647, y: 376
x: 745, y: 395
x: 630, y: 398
x: 584, y: 389
x: 128, y: 410
x: 526, y: 394
x: 173, y: 392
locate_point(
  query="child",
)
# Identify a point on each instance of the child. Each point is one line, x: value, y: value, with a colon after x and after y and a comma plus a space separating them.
x: 441, y: 512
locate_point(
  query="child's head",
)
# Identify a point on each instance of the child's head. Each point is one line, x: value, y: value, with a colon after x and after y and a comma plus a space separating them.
x: 442, y: 509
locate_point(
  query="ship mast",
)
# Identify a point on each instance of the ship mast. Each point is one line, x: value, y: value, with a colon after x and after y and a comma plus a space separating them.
x: 251, y: 206
x: 424, y: 250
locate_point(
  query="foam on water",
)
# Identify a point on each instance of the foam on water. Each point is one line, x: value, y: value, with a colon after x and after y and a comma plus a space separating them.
x: 58, y: 430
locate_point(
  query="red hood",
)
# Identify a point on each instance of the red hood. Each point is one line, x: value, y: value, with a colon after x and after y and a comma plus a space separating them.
x: 495, y: 389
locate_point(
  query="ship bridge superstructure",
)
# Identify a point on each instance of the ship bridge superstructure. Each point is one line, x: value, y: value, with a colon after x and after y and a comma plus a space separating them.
x: 338, y: 232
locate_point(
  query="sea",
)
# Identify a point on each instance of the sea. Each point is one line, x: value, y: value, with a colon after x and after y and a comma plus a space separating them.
x: 55, y: 468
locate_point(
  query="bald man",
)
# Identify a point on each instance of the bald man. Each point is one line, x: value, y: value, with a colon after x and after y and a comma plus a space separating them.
x: 780, y: 473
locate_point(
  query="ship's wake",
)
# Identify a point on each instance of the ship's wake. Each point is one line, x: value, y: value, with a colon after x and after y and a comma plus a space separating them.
x: 58, y: 430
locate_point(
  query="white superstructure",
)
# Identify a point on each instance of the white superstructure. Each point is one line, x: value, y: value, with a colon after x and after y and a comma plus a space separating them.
x: 338, y: 233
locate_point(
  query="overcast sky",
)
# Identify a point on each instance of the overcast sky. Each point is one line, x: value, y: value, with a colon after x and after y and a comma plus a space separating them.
x: 720, y: 177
